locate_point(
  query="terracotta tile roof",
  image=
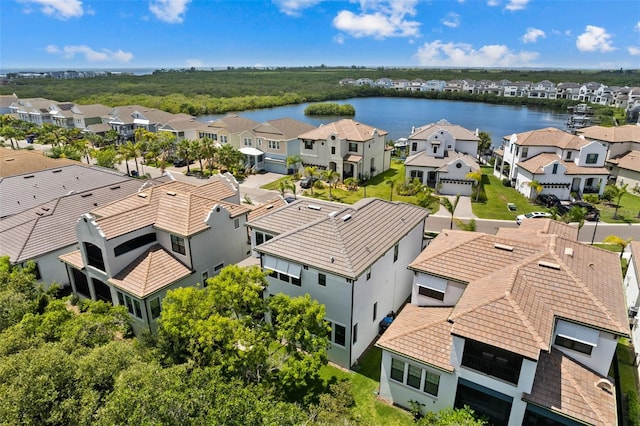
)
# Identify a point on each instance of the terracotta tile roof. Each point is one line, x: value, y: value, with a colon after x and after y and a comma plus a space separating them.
x: 537, y: 162
x: 458, y: 132
x: 423, y: 159
x: 301, y: 212
x: 74, y: 259
x: 51, y: 226
x: 630, y: 160
x: 541, y: 227
x: 21, y: 161
x: 346, y: 129
x: 348, y: 242
x: 282, y: 129
x: 570, y: 389
x: 265, y: 208
x: 549, y: 137
x: 233, y: 123
x: 175, y: 207
x: 153, y: 270
x: 619, y: 134
x: 421, y: 333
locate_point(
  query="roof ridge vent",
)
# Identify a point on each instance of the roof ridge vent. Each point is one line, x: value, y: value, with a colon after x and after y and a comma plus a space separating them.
x: 142, y: 195
x: 314, y: 207
x: 333, y: 213
x: 504, y: 247
x: 172, y: 193
x: 568, y: 251
x: 549, y: 265
x: 269, y: 207
x: 346, y: 217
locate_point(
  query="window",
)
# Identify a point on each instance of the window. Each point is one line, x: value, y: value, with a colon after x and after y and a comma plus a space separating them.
x: 259, y: 238
x: 429, y: 292
x: 340, y: 334
x: 333, y: 150
x: 525, y: 152
x: 247, y: 142
x: 308, y: 144
x: 353, y: 147
x: 592, y: 158
x: 283, y: 277
x: 368, y: 274
x: 274, y: 144
x: 435, y: 149
x: 576, y: 337
x: 133, y: 305
x: 259, y: 141
x: 205, y: 276
x: 322, y: 280
x: 414, y: 376
x: 416, y: 174
x: 568, y: 157
x: 177, y: 244
x: 135, y: 243
x: 431, y: 383
x: 355, y: 334
x: 296, y: 281
x: 414, y: 146
x: 397, y: 370
x: 218, y: 267
x: 395, y: 252
x: 555, y: 169
x: 94, y: 256
x: 573, y: 345
x: 223, y: 139
x: 155, y: 307
x: 236, y: 223
x: 375, y: 311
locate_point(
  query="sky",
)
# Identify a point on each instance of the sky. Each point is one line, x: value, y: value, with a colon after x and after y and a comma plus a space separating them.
x: 117, y: 34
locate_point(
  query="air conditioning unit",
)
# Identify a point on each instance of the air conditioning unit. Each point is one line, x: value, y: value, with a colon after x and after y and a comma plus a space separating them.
x: 633, y: 311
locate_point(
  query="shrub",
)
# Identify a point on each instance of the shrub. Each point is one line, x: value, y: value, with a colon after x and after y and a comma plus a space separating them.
x: 506, y: 182
x: 74, y: 299
x: 633, y: 408
x: 609, y: 193
x: 592, y: 198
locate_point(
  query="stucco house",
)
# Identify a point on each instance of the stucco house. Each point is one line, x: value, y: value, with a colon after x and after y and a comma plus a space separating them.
x: 521, y: 326
x: 348, y: 147
x: 563, y: 163
x: 441, y: 155
x: 166, y: 236
x: 632, y: 292
x: 353, y: 259
x: 277, y: 140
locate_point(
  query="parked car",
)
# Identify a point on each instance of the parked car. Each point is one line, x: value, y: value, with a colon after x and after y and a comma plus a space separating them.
x: 547, y: 200
x: 179, y: 162
x: 531, y: 215
x: 562, y: 209
x: 592, y: 212
x: 308, y: 181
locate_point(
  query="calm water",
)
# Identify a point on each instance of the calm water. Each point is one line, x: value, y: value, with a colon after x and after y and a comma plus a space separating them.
x: 399, y: 115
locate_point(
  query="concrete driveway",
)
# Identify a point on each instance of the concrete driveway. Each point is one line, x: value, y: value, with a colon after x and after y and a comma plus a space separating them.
x: 463, y: 209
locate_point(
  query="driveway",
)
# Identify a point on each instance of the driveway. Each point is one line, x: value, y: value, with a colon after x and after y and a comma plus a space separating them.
x: 463, y: 209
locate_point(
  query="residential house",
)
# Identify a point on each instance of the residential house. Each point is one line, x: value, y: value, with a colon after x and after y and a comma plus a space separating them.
x: 5, y: 103
x: 33, y: 110
x: 632, y: 292
x: 491, y: 87
x: 543, y: 90
x: 385, y: 83
x: 563, y: 163
x: 348, y: 147
x: 234, y: 130
x: 62, y: 114
x: 126, y: 119
x: 521, y: 327
x: 625, y: 169
x: 87, y: 115
x: 23, y: 161
x: 434, y: 85
x: 401, y: 84
x: 44, y: 232
x: 568, y: 90
x: 352, y: 259
x: 588, y: 92
x: 278, y: 139
x: 185, y: 128
x: 166, y: 236
x: 441, y: 155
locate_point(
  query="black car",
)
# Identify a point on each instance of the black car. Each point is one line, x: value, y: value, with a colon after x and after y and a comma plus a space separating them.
x: 592, y: 212
x: 547, y: 200
x: 308, y: 181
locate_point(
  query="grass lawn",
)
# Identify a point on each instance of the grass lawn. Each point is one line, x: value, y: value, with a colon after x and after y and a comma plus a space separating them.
x: 369, y: 410
x: 376, y: 187
x: 498, y: 196
x: 628, y: 212
x: 628, y: 373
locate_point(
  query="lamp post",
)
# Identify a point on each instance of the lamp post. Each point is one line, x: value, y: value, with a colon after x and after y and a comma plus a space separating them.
x: 595, y: 228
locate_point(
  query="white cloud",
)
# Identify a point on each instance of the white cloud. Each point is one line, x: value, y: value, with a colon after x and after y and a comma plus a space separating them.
x: 103, y: 55
x: 295, y: 7
x: 594, y: 39
x: 532, y: 35
x: 380, y: 19
x: 493, y: 3
x: 169, y: 11
x: 61, y: 9
x: 339, y: 38
x: 196, y: 63
x: 451, y: 20
x: 633, y: 51
x: 516, y: 4
x: 438, y: 53
x: 637, y: 26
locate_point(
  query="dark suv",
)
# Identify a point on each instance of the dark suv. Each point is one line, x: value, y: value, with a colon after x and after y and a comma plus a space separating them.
x: 592, y: 212
x: 308, y: 181
x: 547, y: 200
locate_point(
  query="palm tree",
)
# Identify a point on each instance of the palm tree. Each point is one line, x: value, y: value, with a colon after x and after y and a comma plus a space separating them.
x: 285, y: 185
x: 451, y: 207
x: 471, y: 226
x: 9, y: 132
x: 536, y: 188
x: 131, y: 150
x: 294, y: 160
x: 185, y: 150
x: 618, y: 192
x: 477, y: 177
x: 622, y: 243
x: 330, y: 176
x: 391, y: 184
x: 311, y: 172
x: 484, y: 144
x: 576, y: 214
x: 208, y: 151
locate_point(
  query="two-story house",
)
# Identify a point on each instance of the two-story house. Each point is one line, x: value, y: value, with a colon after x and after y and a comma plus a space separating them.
x: 166, y: 236
x: 521, y: 327
x: 352, y: 259
x: 563, y: 163
x: 632, y: 292
x: 87, y: 115
x: 126, y: 119
x: 348, y: 147
x: 441, y: 155
x: 277, y: 140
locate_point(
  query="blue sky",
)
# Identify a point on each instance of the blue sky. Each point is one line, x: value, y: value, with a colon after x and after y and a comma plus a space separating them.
x: 110, y: 34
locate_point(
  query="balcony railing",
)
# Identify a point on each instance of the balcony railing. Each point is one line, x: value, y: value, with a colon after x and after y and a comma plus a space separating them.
x: 493, y: 366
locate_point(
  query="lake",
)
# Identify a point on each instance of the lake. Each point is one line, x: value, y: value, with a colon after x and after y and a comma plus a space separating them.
x: 399, y: 115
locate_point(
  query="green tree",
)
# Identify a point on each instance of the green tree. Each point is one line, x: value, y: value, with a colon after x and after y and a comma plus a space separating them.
x: 484, y: 145
x: 617, y: 193
x: 391, y: 183
x: 451, y: 417
x: 477, y: 177
x: 106, y: 157
x: 294, y: 161
x: 311, y: 171
x: 285, y: 185
x: 331, y: 177
x: 576, y: 214
x: 619, y: 241
x: 11, y: 133
x: 208, y: 151
x: 229, y: 157
x: 536, y: 188
x: 450, y: 206
x: 471, y: 226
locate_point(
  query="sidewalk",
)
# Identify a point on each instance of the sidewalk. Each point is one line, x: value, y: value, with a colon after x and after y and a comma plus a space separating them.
x: 463, y: 210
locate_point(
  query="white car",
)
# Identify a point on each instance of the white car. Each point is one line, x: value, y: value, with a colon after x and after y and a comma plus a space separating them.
x: 531, y: 215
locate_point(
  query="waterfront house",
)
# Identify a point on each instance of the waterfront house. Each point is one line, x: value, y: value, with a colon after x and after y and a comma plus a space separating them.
x: 521, y: 326
x: 441, y: 155
x: 348, y: 147
x: 352, y: 259
x: 632, y: 292
x: 165, y: 236
x: 87, y: 115
x: 126, y: 119
x: 563, y: 163
x: 278, y: 139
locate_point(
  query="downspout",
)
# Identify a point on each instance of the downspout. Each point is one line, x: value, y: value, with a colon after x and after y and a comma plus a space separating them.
x: 351, y: 324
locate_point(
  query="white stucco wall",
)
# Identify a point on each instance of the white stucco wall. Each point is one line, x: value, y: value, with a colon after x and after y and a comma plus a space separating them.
x: 601, y: 355
x: 452, y: 294
x: 52, y: 269
x: 592, y: 148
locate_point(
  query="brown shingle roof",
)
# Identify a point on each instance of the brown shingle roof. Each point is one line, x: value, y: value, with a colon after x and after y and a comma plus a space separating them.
x: 348, y: 242
x: 422, y: 334
x: 346, y: 129
x: 619, y: 134
x: 571, y: 390
x: 150, y: 272
x: 233, y: 123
